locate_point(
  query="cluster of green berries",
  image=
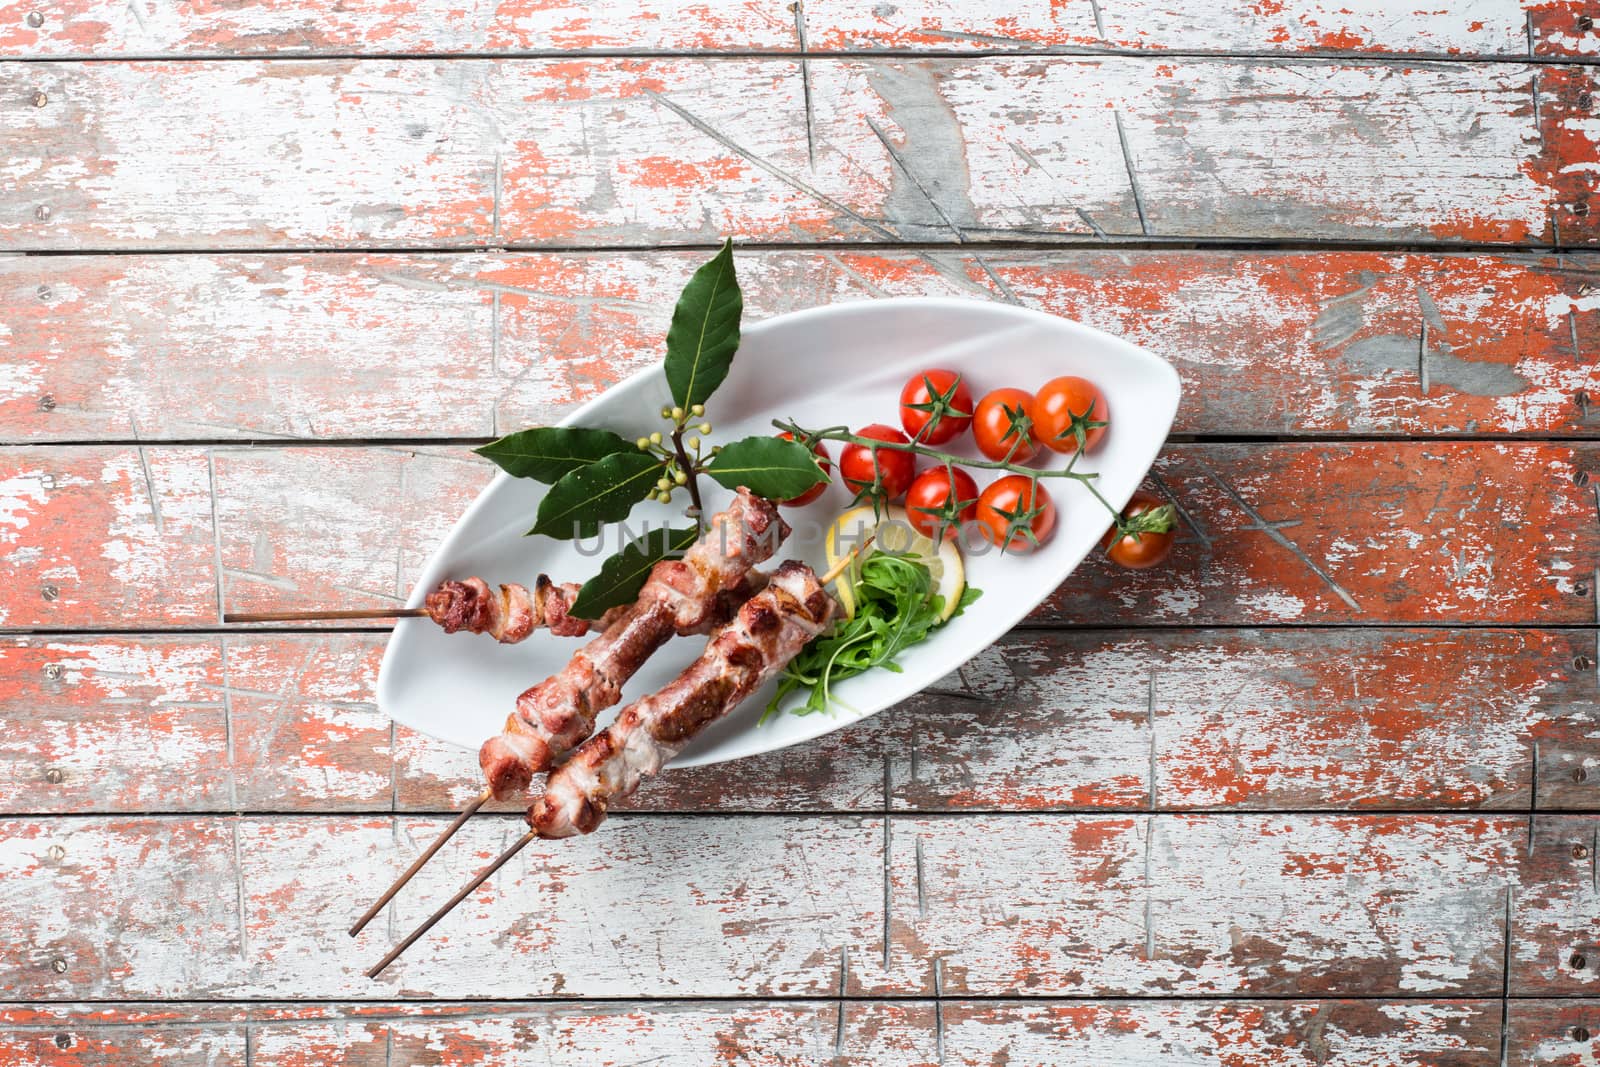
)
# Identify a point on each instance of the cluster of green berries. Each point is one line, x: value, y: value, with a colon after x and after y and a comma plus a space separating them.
x: 675, y: 476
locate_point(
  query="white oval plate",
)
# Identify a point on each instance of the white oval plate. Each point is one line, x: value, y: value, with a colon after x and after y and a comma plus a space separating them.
x: 842, y: 364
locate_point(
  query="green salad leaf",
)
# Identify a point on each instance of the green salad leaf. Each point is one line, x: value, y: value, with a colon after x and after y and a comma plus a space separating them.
x: 896, y: 607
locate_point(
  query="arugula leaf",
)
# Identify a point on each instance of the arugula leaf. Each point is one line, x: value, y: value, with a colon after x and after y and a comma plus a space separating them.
x: 583, y: 500
x: 624, y: 574
x: 767, y: 466
x: 705, y: 331
x: 545, y: 453
x: 897, y: 608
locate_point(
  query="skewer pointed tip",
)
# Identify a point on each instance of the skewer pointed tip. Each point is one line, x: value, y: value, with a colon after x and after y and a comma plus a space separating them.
x: 417, y: 864
x: 461, y: 894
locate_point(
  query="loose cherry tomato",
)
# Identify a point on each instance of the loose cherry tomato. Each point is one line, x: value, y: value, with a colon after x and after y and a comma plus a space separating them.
x: 1148, y: 527
x: 1005, y: 418
x: 1016, y: 513
x: 940, y: 500
x: 816, y: 490
x: 1069, y: 411
x: 885, y: 479
x: 935, y: 407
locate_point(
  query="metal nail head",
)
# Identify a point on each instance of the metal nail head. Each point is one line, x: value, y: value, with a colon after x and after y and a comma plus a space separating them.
x: 58, y: 965
x: 53, y: 671
x: 63, y: 1041
x: 39, y: 98
x: 47, y: 403
x: 42, y: 212
x: 1585, y: 101
x: 1585, y: 23
x: 1581, y: 589
x: 1579, y: 1033
x: 56, y: 852
x: 1580, y: 852
x: 1581, y: 208
x: 50, y: 592
x: 1579, y: 774
x: 1581, y: 663
x: 54, y: 776
x: 35, y: 19
x: 43, y: 292
x: 1580, y: 478
x: 1581, y: 398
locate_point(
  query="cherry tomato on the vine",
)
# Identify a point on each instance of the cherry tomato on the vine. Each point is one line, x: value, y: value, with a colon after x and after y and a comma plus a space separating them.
x: 1016, y: 513
x: 889, y: 476
x: 1070, y: 412
x: 941, y: 499
x: 935, y: 407
x: 1148, y: 527
x: 816, y: 490
x: 1003, y: 420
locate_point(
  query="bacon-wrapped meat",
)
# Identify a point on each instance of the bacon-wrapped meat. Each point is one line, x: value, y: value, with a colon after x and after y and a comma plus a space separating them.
x: 768, y: 632
x: 691, y: 595
x: 510, y: 614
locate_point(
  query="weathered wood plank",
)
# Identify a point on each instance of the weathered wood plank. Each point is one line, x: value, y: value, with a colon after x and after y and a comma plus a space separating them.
x: 1498, y: 28
x: 223, y: 907
x: 101, y: 28
x: 253, y: 154
x: 1367, y: 533
x: 1247, y: 719
x: 1324, y: 1033
x: 1192, y: 905
x: 767, y: 906
x: 337, y: 346
x: 1557, y: 908
x: 1377, y: 719
x: 287, y: 723
x: 1553, y: 1033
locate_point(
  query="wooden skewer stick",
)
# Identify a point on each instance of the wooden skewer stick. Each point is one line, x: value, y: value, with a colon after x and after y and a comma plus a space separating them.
x: 461, y: 894
x: 517, y: 846
x: 418, y: 863
x: 321, y: 616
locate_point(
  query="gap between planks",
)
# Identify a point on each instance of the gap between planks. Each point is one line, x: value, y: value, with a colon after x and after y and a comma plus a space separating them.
x: 1341, y: 57
x: 988, y: 240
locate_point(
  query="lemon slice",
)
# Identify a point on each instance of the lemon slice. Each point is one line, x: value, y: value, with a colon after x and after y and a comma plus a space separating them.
x: 894, y: 533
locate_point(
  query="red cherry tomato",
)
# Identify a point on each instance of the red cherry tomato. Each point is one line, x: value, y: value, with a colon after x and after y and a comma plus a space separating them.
x: 1150, y: 526
x: 816, y: 490
x: 996, y: 423
x: 892, y: 471
x: 941, y: 498
x: 1016, y: 514
x: 935, y: 407
x: 1060, y: 401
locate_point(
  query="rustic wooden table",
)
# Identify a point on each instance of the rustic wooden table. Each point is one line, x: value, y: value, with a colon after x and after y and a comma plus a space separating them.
x: 1324, y: 790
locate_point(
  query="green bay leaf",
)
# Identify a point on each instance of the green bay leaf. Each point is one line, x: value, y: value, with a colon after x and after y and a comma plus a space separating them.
x: 768, y: 466
x: 624, y: 574
x: 546, y: 453
x: 704, y: 333
x: 583, y: 500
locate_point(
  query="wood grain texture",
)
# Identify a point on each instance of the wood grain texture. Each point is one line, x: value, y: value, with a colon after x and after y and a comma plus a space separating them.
x: 1555, y: 950
x: 1486, y: 28
x: 1193, y: 905
x: 1299, y: 1033
x: 220, y: 907
x: 1366, y: 533
x: 1369, y: 720
x: 1553, y: 1033
x: 335, y: 346
x: 628, y: 152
